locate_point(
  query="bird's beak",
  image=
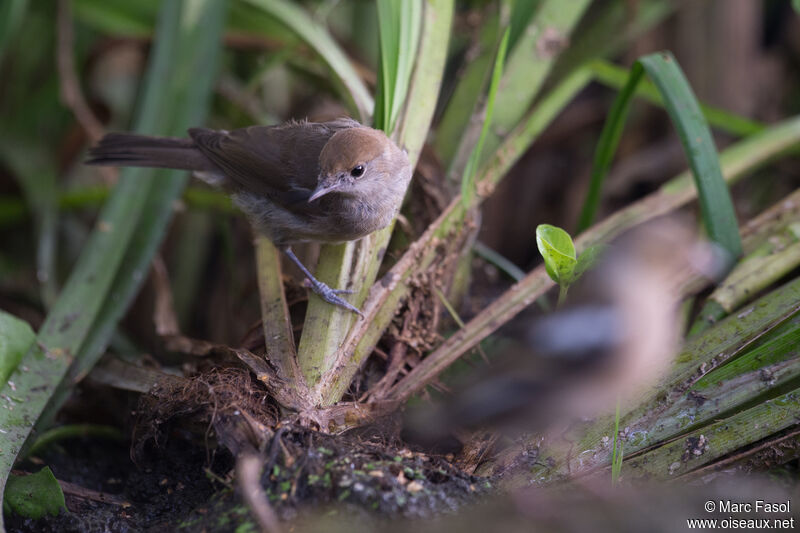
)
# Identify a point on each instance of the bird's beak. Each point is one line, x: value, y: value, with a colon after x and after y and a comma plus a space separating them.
x: 324, y: 187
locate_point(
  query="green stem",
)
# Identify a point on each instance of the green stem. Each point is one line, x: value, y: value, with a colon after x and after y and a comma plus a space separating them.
x: 73, y: 431
x: 616, y: 450
x: 415, y: 118
x: 562, y: 295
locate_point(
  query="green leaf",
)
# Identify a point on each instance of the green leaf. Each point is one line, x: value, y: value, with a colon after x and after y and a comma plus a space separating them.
x: 468, y: 179
x: 716, y: 205
x: 616, y: 77
x: 34, y: 495
x: 504, y: 264
x: 200, y: 31
x: 400, y: 25
x: 558, y: 251
x: 114, y: 261
x: 796, y: 5
x: 466, y: 95
x: 318, y: 38
x: 16, y: 338
x: 607, y: 145
x: 522, y: 12
x: 72, y: 431
x: 698, y: 144
x: 35, y: 171
x: 530, y: 62
x: 609, y: 31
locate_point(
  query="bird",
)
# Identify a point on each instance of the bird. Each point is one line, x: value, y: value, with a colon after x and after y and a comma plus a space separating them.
x: 300, y: 181
x: 613, y: 339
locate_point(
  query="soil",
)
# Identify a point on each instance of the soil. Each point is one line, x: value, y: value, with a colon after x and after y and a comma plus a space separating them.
x: 179, y: 485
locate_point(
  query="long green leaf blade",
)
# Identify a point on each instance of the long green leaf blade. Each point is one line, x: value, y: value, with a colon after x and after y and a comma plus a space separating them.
x: 111, y: 263
x: 607, y: 145
x: 616, y: 77
x: 682, y: 106
x: 468, y: 179
x: 715, y: 199
x: 400, y: 24
x: 319, y: 39
x: 16, y: 338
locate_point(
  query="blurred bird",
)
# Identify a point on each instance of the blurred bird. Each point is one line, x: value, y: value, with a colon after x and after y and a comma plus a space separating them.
x: 614, y: 338
x: 297, y: 182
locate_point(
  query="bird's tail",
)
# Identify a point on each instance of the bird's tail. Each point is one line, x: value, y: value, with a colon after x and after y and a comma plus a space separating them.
x: 132, y: 150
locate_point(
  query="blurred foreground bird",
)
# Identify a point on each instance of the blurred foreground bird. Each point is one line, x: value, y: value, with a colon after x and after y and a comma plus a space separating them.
x: 301, y: 181
x: 617, y: 334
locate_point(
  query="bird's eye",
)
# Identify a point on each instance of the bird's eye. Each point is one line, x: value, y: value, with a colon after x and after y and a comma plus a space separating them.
x: 357, y: 171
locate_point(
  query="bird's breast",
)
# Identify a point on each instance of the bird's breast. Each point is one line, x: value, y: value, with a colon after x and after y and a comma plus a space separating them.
x: 358, y: 217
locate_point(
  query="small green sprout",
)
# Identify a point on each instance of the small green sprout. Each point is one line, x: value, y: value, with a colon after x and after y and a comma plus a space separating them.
x: 563, y: 264
x: 616, y: 451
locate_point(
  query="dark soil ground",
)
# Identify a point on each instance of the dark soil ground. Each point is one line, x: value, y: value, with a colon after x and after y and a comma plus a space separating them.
x: 181, y: 485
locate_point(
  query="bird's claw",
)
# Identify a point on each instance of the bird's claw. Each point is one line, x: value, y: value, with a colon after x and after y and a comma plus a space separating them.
x: 331, y: 295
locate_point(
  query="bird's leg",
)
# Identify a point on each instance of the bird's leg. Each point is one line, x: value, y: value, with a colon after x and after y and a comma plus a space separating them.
x: 324, y: 292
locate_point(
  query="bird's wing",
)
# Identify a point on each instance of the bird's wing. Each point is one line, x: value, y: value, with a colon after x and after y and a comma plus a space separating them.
x: 279, y: 162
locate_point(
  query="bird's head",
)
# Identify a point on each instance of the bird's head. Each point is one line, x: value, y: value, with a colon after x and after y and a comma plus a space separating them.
x: 361, y: 162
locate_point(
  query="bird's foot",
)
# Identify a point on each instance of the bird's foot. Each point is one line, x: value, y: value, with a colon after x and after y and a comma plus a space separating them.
x: 332, y: 295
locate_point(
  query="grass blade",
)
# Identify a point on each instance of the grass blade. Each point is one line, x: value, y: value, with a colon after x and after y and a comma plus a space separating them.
x: 530, y: 63
x: 719, y: 439
x: 502, y: 263
x: 607, y: 146
x: 118, y: 17
x: 399, y: 24
x: 610, y: 27
x: 468, y: 179
x: 715, y: 201
x: 16, y: 338
x: 526, y: 69
x: 319, y: 39
x: 464, y: 100
x: 129, y: 227
x: 36, y: 174
x: 616, y: 77
x: 197, y: 48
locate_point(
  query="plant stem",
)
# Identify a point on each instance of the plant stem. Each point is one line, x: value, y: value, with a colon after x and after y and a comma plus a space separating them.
x: 562, y: 295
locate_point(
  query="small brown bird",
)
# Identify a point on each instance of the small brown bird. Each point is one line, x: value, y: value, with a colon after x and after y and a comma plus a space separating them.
x: 297, y: 182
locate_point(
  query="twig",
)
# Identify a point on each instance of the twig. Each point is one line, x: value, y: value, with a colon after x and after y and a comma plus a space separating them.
x: 70, y: 87
x: 166, y: 321
x: 275, y: 447
x: 248, y: 472
x: 77, y: 491
x: 71, y: 93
